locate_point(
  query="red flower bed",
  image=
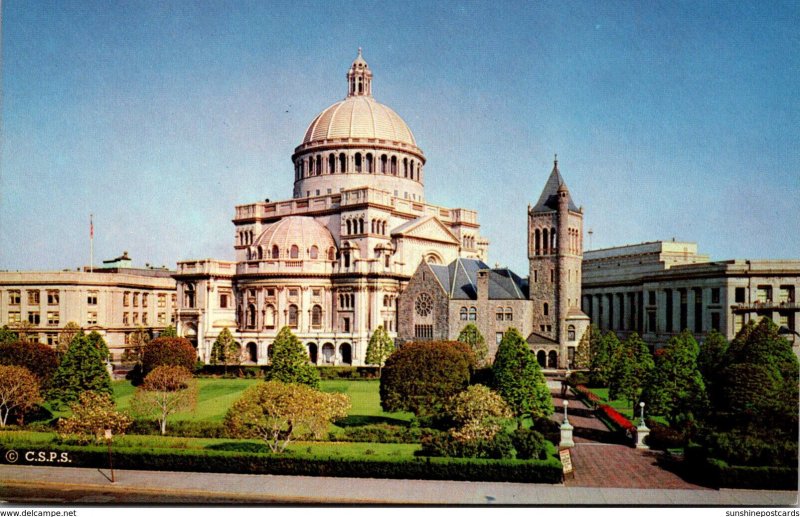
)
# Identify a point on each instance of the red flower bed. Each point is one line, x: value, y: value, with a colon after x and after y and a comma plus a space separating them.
x: 583, y: 390
x: 617, y: 418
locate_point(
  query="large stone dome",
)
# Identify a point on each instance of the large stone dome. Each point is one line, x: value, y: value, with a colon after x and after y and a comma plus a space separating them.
x: 359, y: 117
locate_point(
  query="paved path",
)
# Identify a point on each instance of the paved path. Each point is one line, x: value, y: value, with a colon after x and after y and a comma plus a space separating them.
x: 604, y: 459
x: 137, y: 486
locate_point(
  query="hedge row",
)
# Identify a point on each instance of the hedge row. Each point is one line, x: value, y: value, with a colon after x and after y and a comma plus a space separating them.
x: 459, y: 469
x: 722, y: 475
x: 252, y: 372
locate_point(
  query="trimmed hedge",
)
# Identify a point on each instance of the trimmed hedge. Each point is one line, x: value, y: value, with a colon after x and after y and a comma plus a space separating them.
x: 722, y: 475
x: 180, y: 428
x: 380, y: 433
x: 459, y: 469
x: 352, y: 373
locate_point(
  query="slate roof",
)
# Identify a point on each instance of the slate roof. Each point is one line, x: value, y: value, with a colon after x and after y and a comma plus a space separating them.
x: 460, y: 280
x: 548, y: 201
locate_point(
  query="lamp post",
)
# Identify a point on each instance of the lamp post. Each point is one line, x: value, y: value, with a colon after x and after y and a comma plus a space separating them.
x: 109, y: 436
x: 566, y: 431
x: 641, y: 430
x: 641, y: 413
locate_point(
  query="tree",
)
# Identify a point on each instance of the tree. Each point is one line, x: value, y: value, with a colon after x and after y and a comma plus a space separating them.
x: 169, y: 331
x: 97, y: 340
x: 583, y: 354
x: 290, y: 362
x: 711, y: 362
x: 68, y: 333
x: 7, y: 335
x: 168, y: 351
x: 225, y: 350
x: 420, y: 377
x: 40, y: 359
x: 19, y: 391
x: 82, y: 369
x: 604, y: 351
x: 92, y: 414
x: 631, y: 367
x: 519, y: 379
x: 137, y: 343
x: 675, y: 387
x: 165, y: 391
x: 277, y: 413
x: 478, y: 414
x: 470, y: 335
x: 25, y: 333
x: 379, y: 348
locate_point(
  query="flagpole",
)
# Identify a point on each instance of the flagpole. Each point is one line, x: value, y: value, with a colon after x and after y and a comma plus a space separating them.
x: 91, y: 244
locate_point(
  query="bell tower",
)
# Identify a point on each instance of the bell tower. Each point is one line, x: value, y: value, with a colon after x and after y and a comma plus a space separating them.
x: 359, y: 78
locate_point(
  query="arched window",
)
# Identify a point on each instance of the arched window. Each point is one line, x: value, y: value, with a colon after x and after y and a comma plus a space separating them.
x: 314, y: 252
x: 361, y: 225
x: 552, y: 359
x: 275, y: 252
x: 383, y: 164
x: 332, y: 164
x: 394, y: 165
x: 269, y: 317
x: 541, y: 358
x: 553, y: 243
x: 346, y: 259
x: 372, y: 229
x: 342, y: 163
x: 545, y: 242
x: 349, y: 228
x: 319, y: 165
x: 331, y: 254
x: 463, y: 314
x: 358, y: 162
x: 411, y: 168
x: 316, y: 316
x: 546, y: 309
x: 405, y: 167
x: 509, y: 314
x: 293, y: 316
x: 537, y: 243
x: 188, y: 296
x: 311, y: 166
x: 571, y: 333
x: 260, y: 253
x: 251, y: 316
x: 294, y: 252
x: 473, y: 314
x: 499, y: 314
x: 369, y: 164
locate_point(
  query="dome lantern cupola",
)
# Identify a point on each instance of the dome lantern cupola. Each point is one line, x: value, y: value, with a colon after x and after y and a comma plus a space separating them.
x: 359, y: 77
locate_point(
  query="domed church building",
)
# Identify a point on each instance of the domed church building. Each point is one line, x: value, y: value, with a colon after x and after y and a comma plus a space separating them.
x: 331, y: 262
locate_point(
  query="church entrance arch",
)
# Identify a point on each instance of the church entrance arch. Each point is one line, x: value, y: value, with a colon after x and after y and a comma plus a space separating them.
x: 252, y: 352
x: 541, y: 357
x: 552, y: 359
x: 327, y: 353
x: 345, y: 353
x: 312, y: 353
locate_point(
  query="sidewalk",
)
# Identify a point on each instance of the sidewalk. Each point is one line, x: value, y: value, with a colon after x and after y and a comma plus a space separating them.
x: 307, y: 490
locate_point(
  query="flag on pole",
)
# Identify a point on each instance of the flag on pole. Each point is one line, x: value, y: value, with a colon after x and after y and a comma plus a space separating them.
x: 91, y: 227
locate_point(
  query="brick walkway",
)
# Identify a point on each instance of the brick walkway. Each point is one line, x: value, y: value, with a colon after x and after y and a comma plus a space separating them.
x: 604, y: 459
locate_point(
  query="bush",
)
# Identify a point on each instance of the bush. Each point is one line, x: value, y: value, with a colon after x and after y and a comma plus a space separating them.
x: 380, y: 433
x: 663, y: 437
x: 37, y: 358
x: 744, y: 449
x: 444, y: 444
x: 529, y: 444
x: 550, y: 429
x: 408, y: 386
x: 458, y: 469
x: 181, y: 428
x: 168, y: 351
x: 357, y: 373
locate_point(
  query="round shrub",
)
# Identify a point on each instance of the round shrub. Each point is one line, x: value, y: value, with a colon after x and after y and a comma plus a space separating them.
x: 421, y: 377
x: 529, y: 444
x: 168, y: 351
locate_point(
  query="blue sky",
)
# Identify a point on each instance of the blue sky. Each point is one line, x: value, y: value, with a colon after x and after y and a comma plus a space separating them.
x: 670, y: 119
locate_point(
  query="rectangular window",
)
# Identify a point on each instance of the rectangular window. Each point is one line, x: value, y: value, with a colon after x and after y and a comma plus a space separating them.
x: 651, y: 298
x: 668, y: 293
x: 174, y: 300
x: 162, y: 318
x: 346, y: 324
x: 270, y: 293
x: 14, y: 297
x: 135, y: 299
x: 144, y: 318
x: 52, y: 338
x: 535, y: 276
x: 126, y: 318
x: 52, y: 297
x: 91, y: 298
x: 144, y: 299
x: 162, y: 301
x: 135, y: 318
x: 423, y: 331
x: 126, y: 299
x: 715, y: 320
x: 786, y: 294
x: 498, y: 337
x: 293, y: 293
x: 739, y: 296
x: 499, y: 315
x: 552, y: 275
x: 738, y: 323
x: 783, y: 319
x: 715, y: 295
x: 52, y: 318
x: 14, y: 317
x: 223, y: 300
x: 764, y: 293
x: 651, y: 321
x: 91, y: 318
x: 34, y: 318
x: 33, y: 297
x: 316, y: 293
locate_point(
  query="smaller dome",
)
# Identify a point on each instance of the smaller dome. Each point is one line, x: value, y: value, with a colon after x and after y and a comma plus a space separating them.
x: 304, y: 232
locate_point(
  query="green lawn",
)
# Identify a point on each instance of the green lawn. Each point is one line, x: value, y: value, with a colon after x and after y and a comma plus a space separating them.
x: 217, y: 395
x: 624, y: 407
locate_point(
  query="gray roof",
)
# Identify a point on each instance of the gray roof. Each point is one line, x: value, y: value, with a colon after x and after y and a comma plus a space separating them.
x: 548, y: 201
x: 460, y: 279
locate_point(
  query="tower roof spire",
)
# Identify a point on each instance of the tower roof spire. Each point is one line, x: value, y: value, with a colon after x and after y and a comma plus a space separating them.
x: 359, y: 77
x: 548, y: 200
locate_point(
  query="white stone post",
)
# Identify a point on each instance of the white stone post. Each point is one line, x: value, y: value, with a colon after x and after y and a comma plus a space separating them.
x: 641, y: 430
x: 566, y: 431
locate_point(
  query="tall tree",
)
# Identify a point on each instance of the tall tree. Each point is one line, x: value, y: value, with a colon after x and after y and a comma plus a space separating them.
x: 168, y: 351
x: 519, y: 379
x: 631, y: 368
x: 290, y: 362
x: 711, y: 363
x: 605, y: 348
x: 68, y: 333
x: 380, y: 347
x: 165, y: 391
x: 675, y: 387
x: 583, y: 354
x: 97, y: 340
x: 471, y: 336
x: 82, y: 369
x: 19, y: 391
x: 225, y: 351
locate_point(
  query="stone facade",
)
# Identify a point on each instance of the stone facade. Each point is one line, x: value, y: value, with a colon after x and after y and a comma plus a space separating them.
x: 657, y: 289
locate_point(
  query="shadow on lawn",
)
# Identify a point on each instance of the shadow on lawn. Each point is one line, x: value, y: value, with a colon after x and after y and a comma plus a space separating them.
x: 359, y: 420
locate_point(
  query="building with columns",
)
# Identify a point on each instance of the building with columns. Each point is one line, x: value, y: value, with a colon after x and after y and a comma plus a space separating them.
x: 331, y: 262
x: 545, y: 307
x: 658, y: 289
